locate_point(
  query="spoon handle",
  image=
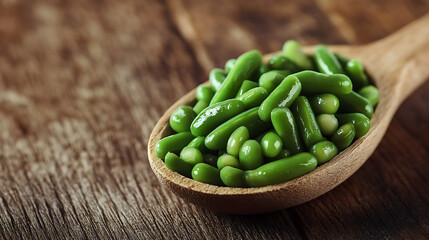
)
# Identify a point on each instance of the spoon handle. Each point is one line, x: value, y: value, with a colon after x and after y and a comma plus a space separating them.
x: 401, y: 60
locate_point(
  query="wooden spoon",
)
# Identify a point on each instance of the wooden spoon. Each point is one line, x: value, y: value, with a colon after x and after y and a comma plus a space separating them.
x: 397, y: 64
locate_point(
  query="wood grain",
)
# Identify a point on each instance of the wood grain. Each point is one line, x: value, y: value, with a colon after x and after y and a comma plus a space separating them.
x: 82, y: 83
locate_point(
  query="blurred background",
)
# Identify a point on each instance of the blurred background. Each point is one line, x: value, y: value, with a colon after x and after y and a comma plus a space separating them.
x: 82, y: 84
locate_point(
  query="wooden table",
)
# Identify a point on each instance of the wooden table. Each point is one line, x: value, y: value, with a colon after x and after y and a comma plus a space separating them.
x: 82, y: 83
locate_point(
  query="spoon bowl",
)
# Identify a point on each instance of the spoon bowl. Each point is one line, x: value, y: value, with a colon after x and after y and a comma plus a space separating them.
x: 397, y: 65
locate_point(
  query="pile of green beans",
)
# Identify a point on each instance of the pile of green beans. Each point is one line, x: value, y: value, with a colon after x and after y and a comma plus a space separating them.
x: 258, y: 124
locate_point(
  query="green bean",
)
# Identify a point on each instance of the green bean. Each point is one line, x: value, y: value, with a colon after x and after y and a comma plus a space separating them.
x: 271, y: 145
x: 217, y: 139
x: 285, y: 126
x: 293, y: 51
x: 202, y: 172
x: 280, y: 170
x: 282, y: 96
x: 237, y: 138
x: 181, y: 119
x: 280, y: 62
x: 191, y: 155
x: 227, y: 160
x: 198, y: 143
x: 232, y: 177
x: 323, y: 151
x: 245, y: 65
x: 173, y: 143
x: 254, y: 97
x: 250, y: 155
x: 371, y: 93
x: 326, y: 61
x: 328, y: 124
x: 204, y: 92
x: 210, y: 159
x: 199, y: 106
x: 360, y: 122
x: 215, y: 114
x: 316, y: 83
x: 216, y: 78
x: 355, y: 71
x: 229, y: 65
x: 343, y: 137
x: 175, y: 164
x: 246, y: 86
x: 324, y: 103
x: 270, y: 80
x: 306, y: 121
x: 354, y: 102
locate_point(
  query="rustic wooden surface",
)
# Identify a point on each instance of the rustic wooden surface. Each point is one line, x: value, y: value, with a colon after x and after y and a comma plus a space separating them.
x: 82, y: 83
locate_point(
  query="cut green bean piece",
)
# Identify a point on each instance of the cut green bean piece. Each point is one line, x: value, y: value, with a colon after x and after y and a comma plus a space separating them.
x: 326, y: 61
x: 324, y: 103
x: 306, y: 121
x: 281, y: 170
x: 371, y: 93
x: 200, y: 106
x: 173, y: 143
x: 270, y: 80
x: 181, y: 119
x: 293, y: 51
x: 232, y: 177
x: 202, y: 172
x: 204, y: 92
x: 237, y: 138
x: 285, y: 126
x: 215, y: 114
x: 360, y: 122
x: 216, y: 78
x: 218, y: 138
x: 229, y: 65
x: 353, y: 102
x: 328, y: 124
x: 323, y: 151
x: 250, y: 155
x: 355, y: 71
x: 175, y: 164
x: 317, y: 83
x: 245, y: 66
x: 199, y: 144
x: 246, y: 86
x: 191, y: 155
x: 254, y: 97
x: 271, y: 145
x: 227, y: 160
x: 282, y: 96
x: 280, y: 62
x: 343, y: 137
